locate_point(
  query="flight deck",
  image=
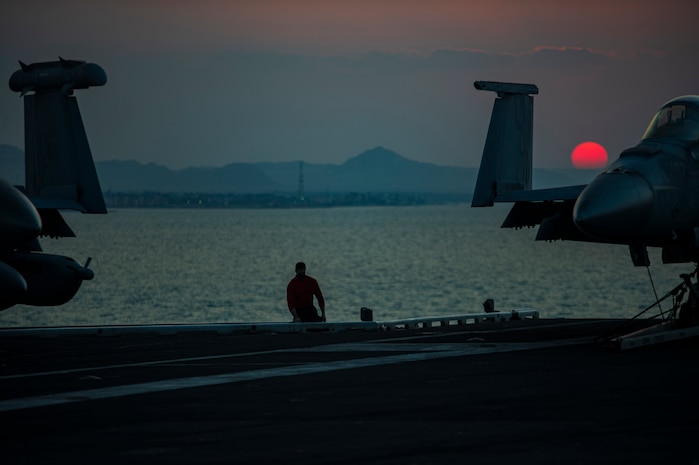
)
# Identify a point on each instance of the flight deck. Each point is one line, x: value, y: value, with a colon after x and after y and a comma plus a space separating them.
x: 516, y: 391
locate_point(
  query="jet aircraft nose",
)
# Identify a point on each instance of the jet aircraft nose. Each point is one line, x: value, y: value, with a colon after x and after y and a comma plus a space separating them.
x: 614, y: 206
x: 19, y: 219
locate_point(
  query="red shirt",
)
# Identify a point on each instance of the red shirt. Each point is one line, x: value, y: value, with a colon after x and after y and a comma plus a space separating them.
x: 300, y: 292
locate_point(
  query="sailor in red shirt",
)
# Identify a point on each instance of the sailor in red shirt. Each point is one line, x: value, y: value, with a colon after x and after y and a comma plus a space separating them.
x: 299, y: 296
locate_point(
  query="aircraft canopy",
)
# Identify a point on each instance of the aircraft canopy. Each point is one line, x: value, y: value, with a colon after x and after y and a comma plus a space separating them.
x: 677, y: 119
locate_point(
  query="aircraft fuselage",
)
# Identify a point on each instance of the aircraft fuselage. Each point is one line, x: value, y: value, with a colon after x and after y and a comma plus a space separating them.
x: 649, y: 196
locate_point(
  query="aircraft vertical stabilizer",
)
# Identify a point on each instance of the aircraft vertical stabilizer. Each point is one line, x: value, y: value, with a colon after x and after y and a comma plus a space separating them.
x: 58, y: 161
x: 506, y: 165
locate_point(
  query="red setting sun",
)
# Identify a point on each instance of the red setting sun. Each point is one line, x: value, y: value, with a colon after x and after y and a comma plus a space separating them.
x: 589, y: 155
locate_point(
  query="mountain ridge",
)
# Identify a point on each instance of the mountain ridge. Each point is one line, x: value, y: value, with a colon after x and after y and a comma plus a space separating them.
x: 374, y: 170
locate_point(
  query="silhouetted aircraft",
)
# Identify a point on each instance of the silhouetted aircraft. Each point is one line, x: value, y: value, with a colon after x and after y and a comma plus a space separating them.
x: 59, y: 174
x: 648, y: 197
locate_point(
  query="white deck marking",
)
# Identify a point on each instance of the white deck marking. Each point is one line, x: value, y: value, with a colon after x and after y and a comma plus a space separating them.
x: 448, y: 351
x: 141, y: 364
x: 360, y: 346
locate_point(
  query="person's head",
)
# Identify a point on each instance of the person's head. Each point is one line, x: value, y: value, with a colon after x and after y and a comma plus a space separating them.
x: 300, y: 269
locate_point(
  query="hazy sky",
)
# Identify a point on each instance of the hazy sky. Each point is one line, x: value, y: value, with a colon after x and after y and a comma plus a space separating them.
x: 212, y: 82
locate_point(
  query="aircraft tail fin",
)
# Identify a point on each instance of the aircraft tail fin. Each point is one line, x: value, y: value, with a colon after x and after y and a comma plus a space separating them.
x: 59, y: 169
x: 506, y: 165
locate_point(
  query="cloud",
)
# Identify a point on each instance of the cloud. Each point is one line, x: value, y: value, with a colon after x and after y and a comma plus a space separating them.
x: 577, y: 55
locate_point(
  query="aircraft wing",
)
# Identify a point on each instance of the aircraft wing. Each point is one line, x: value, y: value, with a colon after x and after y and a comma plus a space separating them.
x: 542, y: 195
x: 551, y: 209
x: 57, y: 204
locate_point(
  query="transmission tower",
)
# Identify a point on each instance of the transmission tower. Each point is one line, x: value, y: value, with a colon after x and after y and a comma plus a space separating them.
x: 301, y: 196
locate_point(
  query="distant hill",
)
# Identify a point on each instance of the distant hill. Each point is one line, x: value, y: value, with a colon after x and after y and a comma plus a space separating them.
x: 132, y: 176
x: 386, y: 170
x: 376, y: 170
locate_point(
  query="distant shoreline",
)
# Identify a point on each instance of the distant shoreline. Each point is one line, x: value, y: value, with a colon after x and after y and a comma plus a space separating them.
x: 278, y: 200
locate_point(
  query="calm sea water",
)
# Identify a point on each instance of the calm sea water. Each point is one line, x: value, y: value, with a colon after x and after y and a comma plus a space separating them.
x: 187, y: 266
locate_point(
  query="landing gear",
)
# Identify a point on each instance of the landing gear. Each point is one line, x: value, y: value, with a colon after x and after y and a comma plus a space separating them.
x: 680, y: 322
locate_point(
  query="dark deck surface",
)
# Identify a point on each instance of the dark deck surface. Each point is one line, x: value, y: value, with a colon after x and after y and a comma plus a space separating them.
x: 516, y: 393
